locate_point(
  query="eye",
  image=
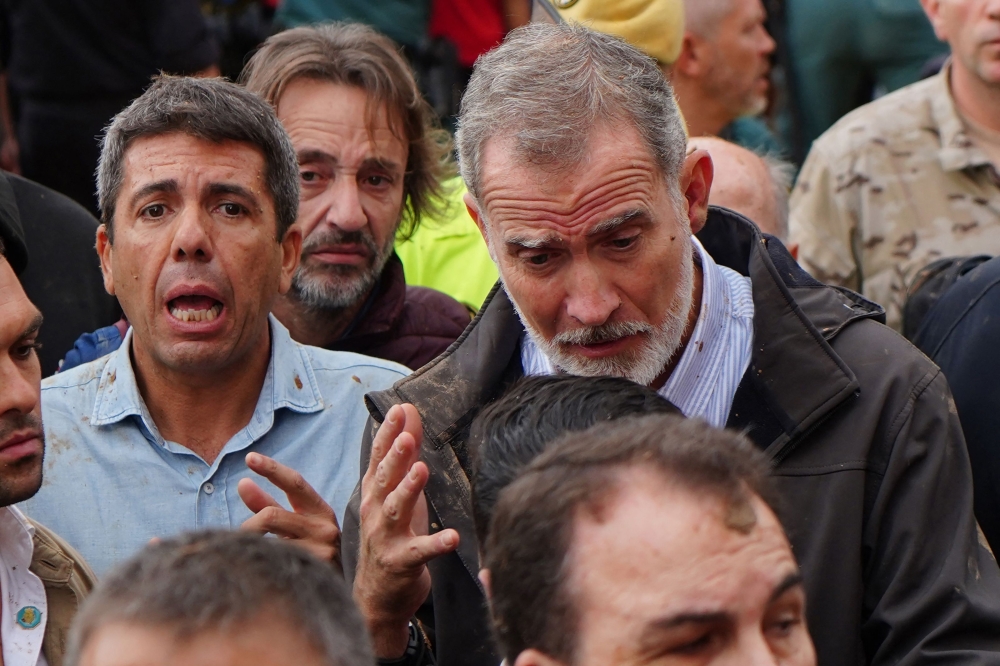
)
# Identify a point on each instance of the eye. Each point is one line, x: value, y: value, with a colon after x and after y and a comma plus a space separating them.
x: 309, y: 176
x: 232, y: 209
x: 624, y: 243
x: 538, y: 259
x: 377, y: 181
x: 24, y: 351
x: 154, y: 211
x: 784, y: 626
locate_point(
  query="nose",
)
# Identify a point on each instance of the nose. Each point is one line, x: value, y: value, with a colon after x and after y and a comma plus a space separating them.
x: 21, y: 391
x: 345, y: 211
x: 191, y: 237
x: 768, y: 45
x: 591, y: 299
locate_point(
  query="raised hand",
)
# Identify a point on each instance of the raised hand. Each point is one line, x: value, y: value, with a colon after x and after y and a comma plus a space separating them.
x: 392, y: 579
x: 312, y: 523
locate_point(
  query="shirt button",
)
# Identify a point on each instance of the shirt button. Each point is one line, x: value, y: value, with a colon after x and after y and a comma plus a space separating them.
x: 208, y: 488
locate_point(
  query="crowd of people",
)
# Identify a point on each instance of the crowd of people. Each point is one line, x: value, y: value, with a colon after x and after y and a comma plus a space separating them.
x: 481, y: 332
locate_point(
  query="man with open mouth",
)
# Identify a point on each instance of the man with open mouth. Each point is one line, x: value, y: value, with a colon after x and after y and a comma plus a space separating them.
x: 198, y: 187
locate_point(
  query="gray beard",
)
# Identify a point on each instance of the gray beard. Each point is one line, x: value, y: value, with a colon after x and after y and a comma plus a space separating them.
x: 339, y: 287
x: 641, y: 366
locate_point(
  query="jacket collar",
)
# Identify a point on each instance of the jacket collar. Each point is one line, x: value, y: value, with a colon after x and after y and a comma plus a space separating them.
x: 957, y: 151
x: 290, y: 382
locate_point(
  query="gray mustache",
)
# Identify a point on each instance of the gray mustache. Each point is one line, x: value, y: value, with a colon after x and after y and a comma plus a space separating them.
x: 593, y: 335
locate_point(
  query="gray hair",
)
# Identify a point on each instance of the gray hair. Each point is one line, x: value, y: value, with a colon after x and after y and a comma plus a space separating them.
x: 210, y: 109
x: 546, y: 86
x: 782, y: 175
x: 219, y: 580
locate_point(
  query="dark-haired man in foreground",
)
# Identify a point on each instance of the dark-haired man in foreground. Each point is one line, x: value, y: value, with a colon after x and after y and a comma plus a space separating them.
x: 646, y: 540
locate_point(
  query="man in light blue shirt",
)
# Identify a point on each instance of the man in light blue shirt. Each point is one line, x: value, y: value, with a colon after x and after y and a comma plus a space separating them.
x: 198, y: 186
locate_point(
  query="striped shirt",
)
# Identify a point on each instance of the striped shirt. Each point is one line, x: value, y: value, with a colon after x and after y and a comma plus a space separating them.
x: 716, y: 357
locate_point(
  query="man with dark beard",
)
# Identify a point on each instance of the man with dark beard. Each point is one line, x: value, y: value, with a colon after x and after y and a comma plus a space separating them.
x: 42, y: 579
x: 371, y: 164
x: 579, y: 177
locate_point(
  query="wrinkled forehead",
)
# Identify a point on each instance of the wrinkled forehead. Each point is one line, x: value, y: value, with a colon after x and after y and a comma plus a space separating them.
x: 614, y: 173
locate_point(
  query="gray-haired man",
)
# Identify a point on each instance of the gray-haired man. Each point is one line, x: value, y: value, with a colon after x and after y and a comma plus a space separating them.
x: 198, y: 187
x: 220, y: 599
x: 578, y: 173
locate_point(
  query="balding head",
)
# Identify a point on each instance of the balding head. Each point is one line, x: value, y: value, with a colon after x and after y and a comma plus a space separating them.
x: 754, y: 186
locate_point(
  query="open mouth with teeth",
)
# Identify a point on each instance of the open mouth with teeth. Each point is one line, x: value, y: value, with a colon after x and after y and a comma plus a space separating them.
x: 195, y: 308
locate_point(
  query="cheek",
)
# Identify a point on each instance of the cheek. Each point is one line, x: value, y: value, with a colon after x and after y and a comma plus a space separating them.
x: 383, y: 214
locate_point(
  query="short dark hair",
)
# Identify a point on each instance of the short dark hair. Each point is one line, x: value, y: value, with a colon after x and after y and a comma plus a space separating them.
x: 532, y: 531
x: 218, y: 580
x: 210, y: 109
x: 356, y: 55
x: 509, y: 433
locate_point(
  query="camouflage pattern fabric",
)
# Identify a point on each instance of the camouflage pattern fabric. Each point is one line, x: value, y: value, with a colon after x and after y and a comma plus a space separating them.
x: 891, y: 187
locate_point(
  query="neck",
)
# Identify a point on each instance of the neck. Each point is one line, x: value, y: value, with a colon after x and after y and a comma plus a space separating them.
x: 703, y: 115
x: 688, y: 330
x: 314, y: 326
x: 975, y: 99
x: 202, y: 411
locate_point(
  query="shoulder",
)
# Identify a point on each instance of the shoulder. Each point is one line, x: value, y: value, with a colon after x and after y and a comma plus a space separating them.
x: 373, y: 373
x: 903, y: 116
x: 54, y: 559
x: 430, y: 312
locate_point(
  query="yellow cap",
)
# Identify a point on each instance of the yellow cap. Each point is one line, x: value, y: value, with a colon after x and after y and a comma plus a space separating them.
x: 653, y: 26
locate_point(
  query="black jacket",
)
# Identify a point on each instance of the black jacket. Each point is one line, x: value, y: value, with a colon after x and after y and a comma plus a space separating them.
x: 867, y: 449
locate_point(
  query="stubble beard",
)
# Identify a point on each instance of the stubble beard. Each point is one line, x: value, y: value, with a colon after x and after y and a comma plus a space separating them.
x: 333, y: 287
x: 30, y: 468
x: 642, y: 365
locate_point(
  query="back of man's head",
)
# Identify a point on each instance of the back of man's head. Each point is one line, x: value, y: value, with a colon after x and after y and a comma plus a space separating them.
x: 511, y: 432
x: 528, y: 550
x: 213, y: 596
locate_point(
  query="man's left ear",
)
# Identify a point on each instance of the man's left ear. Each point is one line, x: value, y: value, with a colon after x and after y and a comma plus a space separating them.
x: 696, y: 181
x: 291, y: 248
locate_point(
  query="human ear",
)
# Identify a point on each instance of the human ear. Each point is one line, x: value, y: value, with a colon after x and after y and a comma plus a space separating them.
x: 696, y: 181
x: 291, y: 249
x: 532, y: 657
x: 933, y: 10
x: 689, y: 62
x: 104, y: 249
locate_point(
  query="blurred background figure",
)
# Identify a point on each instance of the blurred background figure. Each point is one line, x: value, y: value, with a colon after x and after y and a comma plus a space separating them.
x: 70, y: 65
x: 268, y: 603
x: 843, y: 53
x: 755, y: 186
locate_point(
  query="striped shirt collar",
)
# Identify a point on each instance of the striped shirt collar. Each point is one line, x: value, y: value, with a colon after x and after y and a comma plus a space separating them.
x: 718, y: 354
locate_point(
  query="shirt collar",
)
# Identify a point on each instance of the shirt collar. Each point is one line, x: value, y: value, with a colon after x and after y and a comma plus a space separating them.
x: 16, y: 536
x: 958, y: 151
x: 290, y: 382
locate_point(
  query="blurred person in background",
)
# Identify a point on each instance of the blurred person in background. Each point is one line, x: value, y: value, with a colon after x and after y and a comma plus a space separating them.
x: 70, y: 65
x: 841, y: 53
x: 754, y: 186
x: 371, y: 164
x: 913, y: 176
x: 220, y: 599
x: 722, y: 74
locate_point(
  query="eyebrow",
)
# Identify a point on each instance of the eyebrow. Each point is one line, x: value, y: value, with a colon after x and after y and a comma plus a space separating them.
x: 216, y: 189
x: 32, y: 328
x: 530, y: 243
x: 615, y: 222
x: 316, y: 155
x: 160, y: 186
x: 791, y: 580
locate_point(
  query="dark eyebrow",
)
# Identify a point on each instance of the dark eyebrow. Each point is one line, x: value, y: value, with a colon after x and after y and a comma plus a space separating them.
x: 314, y: 155
x: 381, y: 163
x: 230, y: 188
x: 32, y: 328
x: 615, y: 222
x: 165, y: 186
x: 686, y: 618
x: 791, y: 580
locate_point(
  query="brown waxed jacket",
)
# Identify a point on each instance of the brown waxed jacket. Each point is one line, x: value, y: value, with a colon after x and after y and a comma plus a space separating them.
x: 867, y: 449
x: 67, y: 579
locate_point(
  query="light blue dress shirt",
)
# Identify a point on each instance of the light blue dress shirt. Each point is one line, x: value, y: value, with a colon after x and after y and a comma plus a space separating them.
x: 704, y: 382
x: 111, y: 482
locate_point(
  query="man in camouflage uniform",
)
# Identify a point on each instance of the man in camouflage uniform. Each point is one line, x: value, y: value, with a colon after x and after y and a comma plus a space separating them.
x: 911, y: 177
